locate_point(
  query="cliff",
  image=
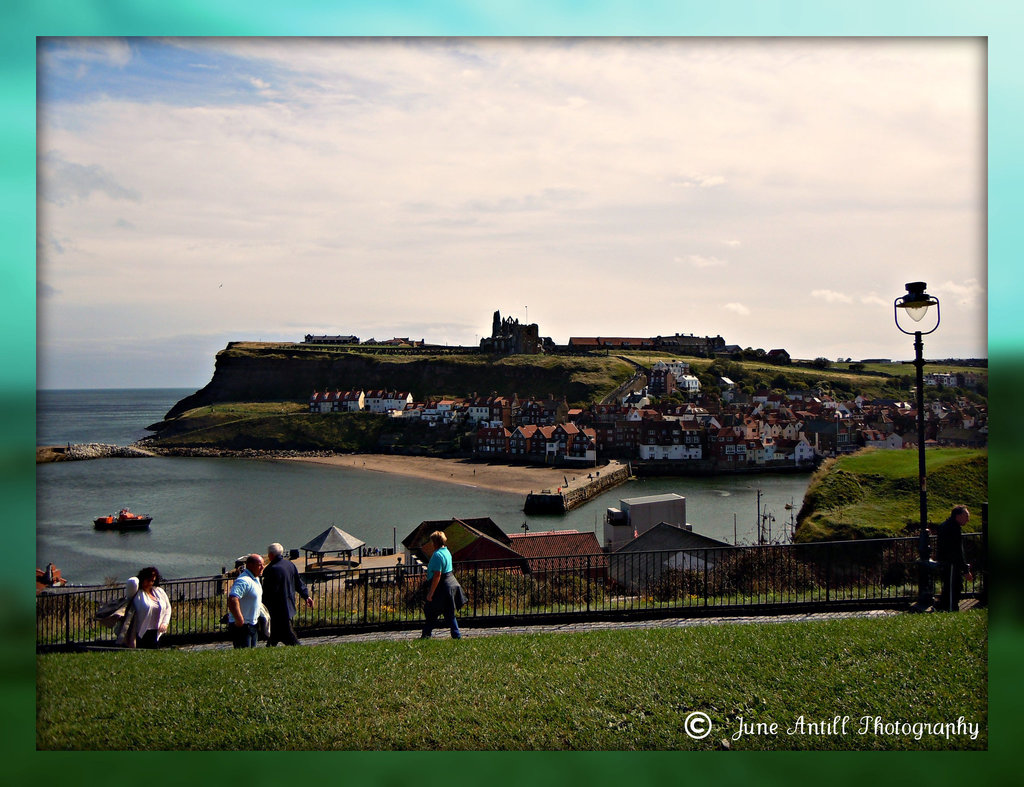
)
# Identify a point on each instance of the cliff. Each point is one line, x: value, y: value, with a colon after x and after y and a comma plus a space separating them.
x: 254, y: 372
x: 874, y: 493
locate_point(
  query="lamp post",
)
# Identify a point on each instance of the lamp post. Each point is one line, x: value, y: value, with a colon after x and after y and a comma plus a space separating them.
x: 915, y: 305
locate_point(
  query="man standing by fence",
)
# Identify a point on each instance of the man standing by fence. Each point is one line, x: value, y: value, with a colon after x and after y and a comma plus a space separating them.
x: 953, y: 565
x: 281, y: 581
x: 244, y: 601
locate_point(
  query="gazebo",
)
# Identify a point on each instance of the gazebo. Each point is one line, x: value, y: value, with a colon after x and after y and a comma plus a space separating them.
x: 333, y: 540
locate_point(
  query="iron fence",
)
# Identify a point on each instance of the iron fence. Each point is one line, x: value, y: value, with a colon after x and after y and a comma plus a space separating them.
x: 667, y: 583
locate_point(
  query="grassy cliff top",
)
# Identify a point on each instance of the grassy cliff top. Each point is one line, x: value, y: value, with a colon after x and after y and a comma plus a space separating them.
x: 582, y: 691
x: 875, y: 493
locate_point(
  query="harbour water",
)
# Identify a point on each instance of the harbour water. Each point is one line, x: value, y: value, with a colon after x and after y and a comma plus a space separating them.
x: 208, y: 511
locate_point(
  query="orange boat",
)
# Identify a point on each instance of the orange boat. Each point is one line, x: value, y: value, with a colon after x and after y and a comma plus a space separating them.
x: 123, y: 520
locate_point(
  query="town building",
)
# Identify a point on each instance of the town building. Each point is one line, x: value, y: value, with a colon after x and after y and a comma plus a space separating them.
x: 637, y: 515
x: 558, y: 551
x: 662, y: 549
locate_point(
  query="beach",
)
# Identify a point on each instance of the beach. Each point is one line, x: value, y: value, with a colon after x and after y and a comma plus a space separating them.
x: 513, y: 479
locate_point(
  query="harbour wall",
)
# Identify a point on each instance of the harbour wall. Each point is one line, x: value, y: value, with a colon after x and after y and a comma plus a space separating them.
x: 78, y: 451
x: 559, y: 502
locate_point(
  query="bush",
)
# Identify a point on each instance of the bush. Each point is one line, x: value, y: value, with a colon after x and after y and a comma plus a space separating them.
x: 676, y: 584
x: 491, y: 586
x: 563, y: 589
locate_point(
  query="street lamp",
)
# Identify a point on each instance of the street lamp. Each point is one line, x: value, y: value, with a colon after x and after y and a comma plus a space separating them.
x: 915, y: 306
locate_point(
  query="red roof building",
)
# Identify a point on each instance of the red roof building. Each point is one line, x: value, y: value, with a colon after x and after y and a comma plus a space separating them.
x: 556, y: 551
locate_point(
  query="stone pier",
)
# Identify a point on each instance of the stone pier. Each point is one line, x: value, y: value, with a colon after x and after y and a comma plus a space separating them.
x: 578, y: 492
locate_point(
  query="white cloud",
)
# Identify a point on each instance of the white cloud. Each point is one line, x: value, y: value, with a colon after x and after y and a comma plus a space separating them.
x: 831, y: 296
x: 698, y: 181
x: 698, y: 261
x: 873, y: 299
x: 965, y: 293
x: 732, y: 243
x: 737, y: 308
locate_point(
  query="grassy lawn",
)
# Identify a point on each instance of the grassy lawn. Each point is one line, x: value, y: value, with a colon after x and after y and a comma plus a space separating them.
x: 874, y: 493
x: 903, y: 464
x: 604, y: 690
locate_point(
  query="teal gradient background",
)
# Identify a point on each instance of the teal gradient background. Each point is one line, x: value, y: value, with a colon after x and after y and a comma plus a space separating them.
x: 24, y: 20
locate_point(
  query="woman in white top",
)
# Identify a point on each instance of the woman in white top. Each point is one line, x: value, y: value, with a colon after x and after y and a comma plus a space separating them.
x: 152, y: 609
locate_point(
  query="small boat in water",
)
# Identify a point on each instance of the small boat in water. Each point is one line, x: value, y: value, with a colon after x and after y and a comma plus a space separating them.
x: 123, y: 520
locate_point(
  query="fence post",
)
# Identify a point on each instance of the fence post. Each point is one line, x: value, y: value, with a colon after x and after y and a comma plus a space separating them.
x: 983, y: 557
x: 705, y: 579
x: 67, y: 619
x: 586, y: 579
x: 828, y: 572
x: 366, y: 595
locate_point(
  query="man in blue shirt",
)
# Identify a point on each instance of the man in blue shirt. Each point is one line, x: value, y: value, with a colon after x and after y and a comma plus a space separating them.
x: 244, y: 601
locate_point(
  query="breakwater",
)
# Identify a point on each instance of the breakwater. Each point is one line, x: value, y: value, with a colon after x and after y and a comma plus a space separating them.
x: 79, y: 451
x: 571, y: 497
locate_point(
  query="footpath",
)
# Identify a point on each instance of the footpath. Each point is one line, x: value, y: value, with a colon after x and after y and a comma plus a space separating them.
x: 469, y: 632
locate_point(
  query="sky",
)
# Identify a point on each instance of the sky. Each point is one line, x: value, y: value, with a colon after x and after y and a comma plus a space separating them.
x: 776, y: 192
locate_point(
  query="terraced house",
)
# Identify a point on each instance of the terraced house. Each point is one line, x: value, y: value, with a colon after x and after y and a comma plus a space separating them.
x: 380, y: 401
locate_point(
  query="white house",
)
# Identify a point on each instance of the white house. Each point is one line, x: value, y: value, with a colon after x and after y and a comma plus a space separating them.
x: 878, y: 440
x: 478, y: 410
x: 352, y: 402
x: 669, y: 452
x: 688, y: 383
x: 385, y: 401
x: 798, y: 451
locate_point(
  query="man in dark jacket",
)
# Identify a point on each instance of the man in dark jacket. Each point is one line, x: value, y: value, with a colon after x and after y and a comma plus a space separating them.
x: 281, y: 581
x: 949, y: 551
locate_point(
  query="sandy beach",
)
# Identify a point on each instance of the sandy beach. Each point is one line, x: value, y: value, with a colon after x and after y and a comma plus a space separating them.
x: 514, y: 479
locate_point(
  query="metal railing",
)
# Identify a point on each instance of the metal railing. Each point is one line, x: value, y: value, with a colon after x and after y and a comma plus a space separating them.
x: 669, y: 583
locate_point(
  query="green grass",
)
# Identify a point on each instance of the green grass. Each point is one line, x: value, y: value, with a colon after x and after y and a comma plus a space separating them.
x: 903, y: 464
x: 603, y: 690
x: 272, y: 425
x: 874, y: 381
x: 874, y: 493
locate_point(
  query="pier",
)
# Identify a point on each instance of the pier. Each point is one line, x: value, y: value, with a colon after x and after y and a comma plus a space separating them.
x: 577, y: 492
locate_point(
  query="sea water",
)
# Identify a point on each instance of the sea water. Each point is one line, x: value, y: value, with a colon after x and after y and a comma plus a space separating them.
x: 208, y: 511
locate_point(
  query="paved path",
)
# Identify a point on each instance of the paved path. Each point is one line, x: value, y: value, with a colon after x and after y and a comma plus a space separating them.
x: 561, y: 628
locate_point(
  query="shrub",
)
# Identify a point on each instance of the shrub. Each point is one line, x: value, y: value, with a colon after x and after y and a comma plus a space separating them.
x: 676, y: 584
x: 564, y: 589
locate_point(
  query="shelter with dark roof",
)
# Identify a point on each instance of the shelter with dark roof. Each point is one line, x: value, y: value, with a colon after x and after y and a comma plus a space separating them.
x: 661, y: 549
x: 333, y: 540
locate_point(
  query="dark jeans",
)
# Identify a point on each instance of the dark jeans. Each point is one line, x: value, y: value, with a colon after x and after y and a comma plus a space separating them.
x: 244, y: 636
x: 952, y: 586
x: 281, y: 629
x: 443, y: 606
x: 148, y: 641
